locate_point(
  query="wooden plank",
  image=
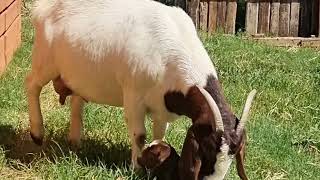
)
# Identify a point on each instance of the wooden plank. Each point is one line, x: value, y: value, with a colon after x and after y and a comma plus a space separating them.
x: 11, y: 13
x: 294, y: 18
x: 231, y: 16
x: 193, y: 10
x: 204, y: 16
x: 221, y: 14
x: 291, y: 41
x: 314, y: 17
x: 252, y: 17
x: 12, y: 39
x: 274, y: 17
x: 264, y: 17
x: 2, y: 55
x: 212, y: 18
x: 2, y: 24
x: 284, y: 18
x: 304, y: 27
x: 4, y: 4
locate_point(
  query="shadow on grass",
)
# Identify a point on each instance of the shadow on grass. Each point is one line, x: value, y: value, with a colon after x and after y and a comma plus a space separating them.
x: 19, y: 146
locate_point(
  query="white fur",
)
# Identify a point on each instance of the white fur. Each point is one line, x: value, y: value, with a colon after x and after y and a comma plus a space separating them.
x: 222, y: 164
x: 125, y: 53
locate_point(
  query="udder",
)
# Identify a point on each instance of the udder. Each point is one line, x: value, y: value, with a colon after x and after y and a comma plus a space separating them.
x: 61, y: 88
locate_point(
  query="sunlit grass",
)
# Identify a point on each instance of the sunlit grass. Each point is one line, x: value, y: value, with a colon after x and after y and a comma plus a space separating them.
x: 284, y: 129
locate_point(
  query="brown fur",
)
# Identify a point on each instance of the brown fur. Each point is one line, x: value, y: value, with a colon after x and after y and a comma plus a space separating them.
x: 162, y: 160
x: 203, y: 142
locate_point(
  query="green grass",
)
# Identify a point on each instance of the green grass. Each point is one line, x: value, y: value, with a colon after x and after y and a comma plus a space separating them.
x: 284, y: 129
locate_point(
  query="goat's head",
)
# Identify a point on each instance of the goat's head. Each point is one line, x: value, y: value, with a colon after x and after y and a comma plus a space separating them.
x: 214, y: 138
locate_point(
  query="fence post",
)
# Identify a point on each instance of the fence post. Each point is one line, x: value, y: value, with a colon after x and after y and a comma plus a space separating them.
x: 221, y: 14
x: 212, y: 18
x: 252, y: 17
x: 294, y: 18
x: 264, y: 17
x: 231, y: 17
x: 274, y: 19
x: 193, y: 10
x: 284, y: 18
x: 203, y: 16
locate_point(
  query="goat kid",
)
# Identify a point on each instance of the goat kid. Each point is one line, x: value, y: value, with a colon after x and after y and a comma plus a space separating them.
x: 138, y: 54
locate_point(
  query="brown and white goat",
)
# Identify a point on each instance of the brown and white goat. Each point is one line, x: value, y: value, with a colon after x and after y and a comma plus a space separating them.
x: 138, y: 54
x: 208, y: 149
x: 210, y: 146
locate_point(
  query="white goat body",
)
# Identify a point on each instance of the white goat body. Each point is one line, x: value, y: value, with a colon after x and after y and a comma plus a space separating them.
x: 125, y: 53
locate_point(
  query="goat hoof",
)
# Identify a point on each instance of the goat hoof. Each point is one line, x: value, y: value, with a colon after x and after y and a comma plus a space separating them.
x: 37, y: 140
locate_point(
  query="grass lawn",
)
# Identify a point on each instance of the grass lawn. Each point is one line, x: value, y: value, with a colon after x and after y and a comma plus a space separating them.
x: 284, y: 129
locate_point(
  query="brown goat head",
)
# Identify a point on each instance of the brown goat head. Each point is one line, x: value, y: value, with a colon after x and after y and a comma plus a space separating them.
x: 216, y: 134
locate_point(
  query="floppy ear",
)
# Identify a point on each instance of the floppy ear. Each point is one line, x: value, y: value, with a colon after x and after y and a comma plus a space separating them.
x: 190, y: 163
x: 240, y: 159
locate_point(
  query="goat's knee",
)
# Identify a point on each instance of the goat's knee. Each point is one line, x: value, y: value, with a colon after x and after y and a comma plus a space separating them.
x: 33, y: 90
x: 76, y: 121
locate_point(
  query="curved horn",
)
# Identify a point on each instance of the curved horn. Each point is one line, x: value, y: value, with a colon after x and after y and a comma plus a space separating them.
x: 215, y: 109
x: 246, y: 110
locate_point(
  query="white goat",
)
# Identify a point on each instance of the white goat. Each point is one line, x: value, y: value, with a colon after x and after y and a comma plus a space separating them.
x: 128, y: 53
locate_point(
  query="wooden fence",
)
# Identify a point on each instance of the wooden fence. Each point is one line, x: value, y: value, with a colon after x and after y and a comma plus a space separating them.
x: 216, y: 15
x: 10, y: 30
x: 209, y: 15
x: 284, y: 18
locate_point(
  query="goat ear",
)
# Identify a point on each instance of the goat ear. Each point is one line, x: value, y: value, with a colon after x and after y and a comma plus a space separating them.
x: 196, y: 100
x: 188, y: 104
x: 175, y: 101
